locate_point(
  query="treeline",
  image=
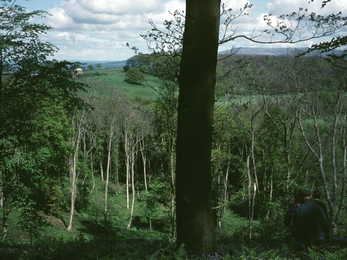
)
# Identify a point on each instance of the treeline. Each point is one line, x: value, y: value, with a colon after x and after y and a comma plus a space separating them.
x: 165, y: 66
x: 280, y: 124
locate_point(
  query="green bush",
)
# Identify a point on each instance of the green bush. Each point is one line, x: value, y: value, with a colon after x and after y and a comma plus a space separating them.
x: 134, y: 75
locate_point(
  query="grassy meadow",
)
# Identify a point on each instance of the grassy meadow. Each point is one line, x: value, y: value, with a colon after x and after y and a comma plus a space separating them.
x: 107, y: 81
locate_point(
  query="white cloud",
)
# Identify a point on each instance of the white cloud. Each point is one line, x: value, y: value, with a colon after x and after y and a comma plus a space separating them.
x: 100, y: 29
x: 287, y: 6
x: 253, y: 24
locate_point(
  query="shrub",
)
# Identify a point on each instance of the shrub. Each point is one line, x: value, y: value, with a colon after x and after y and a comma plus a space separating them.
x: 134, y: 75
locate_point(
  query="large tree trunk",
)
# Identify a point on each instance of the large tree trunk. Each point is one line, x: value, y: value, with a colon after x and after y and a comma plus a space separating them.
x: 195, y: 222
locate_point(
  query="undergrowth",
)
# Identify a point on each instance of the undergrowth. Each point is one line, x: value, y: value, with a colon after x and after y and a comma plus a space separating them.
x: 92, y: 238
x: 110, y: 248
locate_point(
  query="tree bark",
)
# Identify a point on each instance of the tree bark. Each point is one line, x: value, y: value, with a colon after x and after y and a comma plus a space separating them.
x: 5, y: 213
x: 144, y: 161
x: 73, y: 167
x: 109, y: 148
x: 195, y: 222
x: 127, y: 165
x: 132, y: 188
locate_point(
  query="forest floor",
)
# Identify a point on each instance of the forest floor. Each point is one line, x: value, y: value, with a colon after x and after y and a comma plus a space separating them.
x: 92, y: 239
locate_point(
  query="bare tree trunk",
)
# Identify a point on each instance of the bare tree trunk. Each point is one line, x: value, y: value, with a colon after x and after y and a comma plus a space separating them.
x: 132, y: 190
x: 250, y: 197
x: 73, y: 168
x: 92, y: 171
x: 101, y: 169
x: 127, y: 165
x: 226, y: 181
x: 116, y: 166
x: 173, y: 204
x: 5, y: 214
x: 88, y: 154
x: 2, y: 198
x: 109, y: 148
x: 144, y: 161
x: 73, y: 188
x: 219, y: 194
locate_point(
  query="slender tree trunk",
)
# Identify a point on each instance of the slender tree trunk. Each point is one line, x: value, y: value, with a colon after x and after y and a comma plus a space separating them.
x: 5, y: 214
x: 73, y: 169
x: 132, y: 190
x: 73, y: 191
x: 195, y: 221
x: 144, y: 161
x: 219, y: 194
x: 101, y: 169
x: 4, y: 224
x: 249, y: 196
x: 109, y: 148
x: 173, y: 193
x: 92, y: 172
x: 127, y: 165
x: 226, y: 181
x: 2, y: 198
x: 116, y: 165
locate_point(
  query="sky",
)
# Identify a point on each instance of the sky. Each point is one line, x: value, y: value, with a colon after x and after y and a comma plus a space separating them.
x: 99, y: 30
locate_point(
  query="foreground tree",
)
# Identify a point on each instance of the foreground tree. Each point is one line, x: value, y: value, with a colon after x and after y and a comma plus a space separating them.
x: 36, y: 101
x: 196, y: 98
x: 19, y: 38
x: 195, y: 223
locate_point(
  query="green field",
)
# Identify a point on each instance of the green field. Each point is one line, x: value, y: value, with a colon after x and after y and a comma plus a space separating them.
x: 108, y: 81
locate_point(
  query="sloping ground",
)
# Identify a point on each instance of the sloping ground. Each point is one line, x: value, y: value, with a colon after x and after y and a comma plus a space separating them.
x: 146, y: 248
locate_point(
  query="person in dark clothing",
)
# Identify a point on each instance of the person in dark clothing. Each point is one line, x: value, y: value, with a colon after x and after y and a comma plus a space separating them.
x: 316, y: 194
x: 310, y: 224
x: 288, y: 217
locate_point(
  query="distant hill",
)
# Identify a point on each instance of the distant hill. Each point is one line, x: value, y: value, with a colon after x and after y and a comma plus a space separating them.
x: 266, y: 51
x: 105, y: 64
x: 240, y: 51
x: 275, y: 51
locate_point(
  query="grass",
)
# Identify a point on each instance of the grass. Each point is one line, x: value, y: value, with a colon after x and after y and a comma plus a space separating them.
x: 92, y: 238
x: 108, y: 81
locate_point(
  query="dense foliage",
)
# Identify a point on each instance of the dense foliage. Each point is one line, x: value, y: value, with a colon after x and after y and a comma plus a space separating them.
x: 269, y: 110
x: 91, y: 174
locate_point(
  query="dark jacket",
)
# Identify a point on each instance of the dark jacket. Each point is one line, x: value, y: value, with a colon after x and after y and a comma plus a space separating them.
x: 288, y: 217
x: 310, y: 223
x: 322, y: 204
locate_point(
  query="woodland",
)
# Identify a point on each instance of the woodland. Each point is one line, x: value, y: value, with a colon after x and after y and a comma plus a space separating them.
x: 89, y: 166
